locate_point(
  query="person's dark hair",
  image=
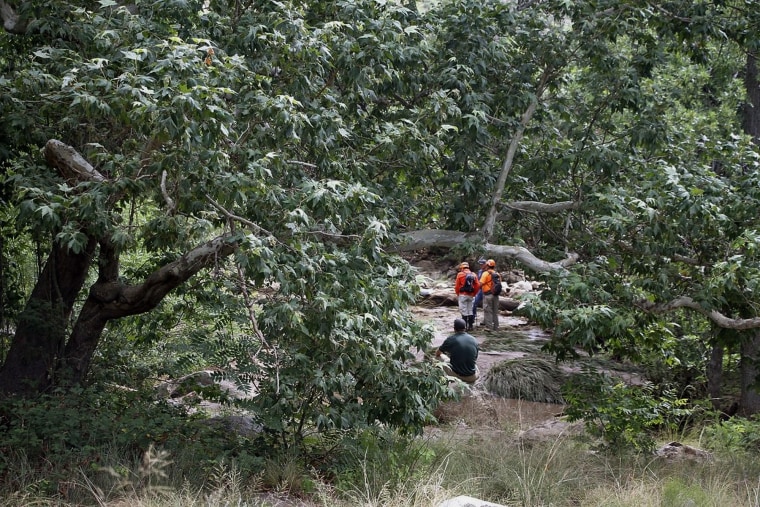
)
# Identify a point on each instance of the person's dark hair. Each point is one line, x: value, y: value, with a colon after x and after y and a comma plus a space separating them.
x: 459, y: 325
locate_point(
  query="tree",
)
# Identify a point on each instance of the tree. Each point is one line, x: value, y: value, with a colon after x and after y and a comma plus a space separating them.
x: 305, y: 141
x: 193, y: 140
x: 593, y: 114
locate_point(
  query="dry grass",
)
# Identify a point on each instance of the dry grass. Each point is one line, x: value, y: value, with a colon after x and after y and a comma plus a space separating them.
x: 530, y: 379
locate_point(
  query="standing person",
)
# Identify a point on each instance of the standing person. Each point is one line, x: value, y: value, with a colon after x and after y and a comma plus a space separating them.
x: 462, y: 351
x: 490, y: 280
x: 465, y: 287
x: 478, y: 300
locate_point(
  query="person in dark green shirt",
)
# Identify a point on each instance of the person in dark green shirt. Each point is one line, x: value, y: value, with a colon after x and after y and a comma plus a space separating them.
x: 462, y: 351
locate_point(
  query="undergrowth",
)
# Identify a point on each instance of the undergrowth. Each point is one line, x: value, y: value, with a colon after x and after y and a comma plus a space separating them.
x: 112, y: 448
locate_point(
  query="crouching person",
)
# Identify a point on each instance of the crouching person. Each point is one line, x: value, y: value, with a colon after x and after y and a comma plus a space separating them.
x: 461, y: 349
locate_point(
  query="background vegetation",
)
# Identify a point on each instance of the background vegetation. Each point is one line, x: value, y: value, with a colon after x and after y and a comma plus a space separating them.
x: 228, y: 186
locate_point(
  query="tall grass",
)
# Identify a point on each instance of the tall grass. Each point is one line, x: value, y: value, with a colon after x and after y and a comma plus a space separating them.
x: 488, y: 463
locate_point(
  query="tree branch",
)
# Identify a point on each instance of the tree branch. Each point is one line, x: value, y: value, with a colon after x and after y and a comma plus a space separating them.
x: 428, y: 238
x: 136, y: 299
x: 506, y: 166
x: 542, y: 207
x: 70, y: 164
x: 171, y: 206
x: 686, y: 302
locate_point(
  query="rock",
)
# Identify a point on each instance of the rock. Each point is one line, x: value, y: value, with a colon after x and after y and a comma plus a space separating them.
x: 242, y: 425
x: 514, y: 276
x: 676, y: 451
x: 467, y: 501
x: 519, y: 288
x: 551, y: 430
x: 177, y: 388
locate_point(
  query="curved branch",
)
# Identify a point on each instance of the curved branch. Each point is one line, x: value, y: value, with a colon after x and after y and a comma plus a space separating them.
x: 428, y: 238
x: 506, y: 166
x: 135, y: 299
x: 170, y: 204
x: 718, y: 318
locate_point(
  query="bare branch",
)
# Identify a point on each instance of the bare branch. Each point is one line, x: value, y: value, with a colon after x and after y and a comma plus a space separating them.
x: 135, y: 299
x: 304, y: 164
x: 686, y: 302
x: 506, y: 166
x: 542, y: 207
x: 70, y: 164
x: 428, y: 238
x: 169, y: 201
x: 254, y: 227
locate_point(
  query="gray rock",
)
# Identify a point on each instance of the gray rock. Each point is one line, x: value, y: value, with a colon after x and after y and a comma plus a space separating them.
x: 467, y: 501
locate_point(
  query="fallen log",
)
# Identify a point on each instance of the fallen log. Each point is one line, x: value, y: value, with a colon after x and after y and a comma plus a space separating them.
x: 446, y: 297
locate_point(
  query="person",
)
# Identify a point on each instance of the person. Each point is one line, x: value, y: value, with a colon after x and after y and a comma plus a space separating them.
x: 478, y: 300
x: 461, y: 350
x: 466, y: 294
x: 490, y: 300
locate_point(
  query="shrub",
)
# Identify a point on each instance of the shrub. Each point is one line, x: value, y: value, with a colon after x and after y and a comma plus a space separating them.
x: 623, y: 416
x: 735, y: 435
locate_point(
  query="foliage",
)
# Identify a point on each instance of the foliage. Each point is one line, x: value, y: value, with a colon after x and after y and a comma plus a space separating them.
x: 734, y: 436
x: 624, y: 416
x: 305, y: 136
x: 371, y: 464
x: 63, y: 432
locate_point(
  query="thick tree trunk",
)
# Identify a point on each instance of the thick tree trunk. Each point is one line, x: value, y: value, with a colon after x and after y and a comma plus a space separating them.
x: 715, y: 375
x: 42, y: 327
x: 751, y: 116
x: 749, y: 401
x: 41, y: 354
x: 3, y: 292
x: 109, y: 299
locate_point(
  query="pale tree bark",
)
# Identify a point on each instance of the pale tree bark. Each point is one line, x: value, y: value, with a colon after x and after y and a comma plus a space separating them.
x: 715, y: 316
x: 436, y: 238
x: 506, y: 166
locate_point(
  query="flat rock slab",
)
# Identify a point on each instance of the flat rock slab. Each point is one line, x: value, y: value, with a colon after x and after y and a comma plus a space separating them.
x: 468, y: 501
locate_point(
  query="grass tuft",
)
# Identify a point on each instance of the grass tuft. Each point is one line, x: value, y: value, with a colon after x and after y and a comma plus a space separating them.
x: 529, y: 379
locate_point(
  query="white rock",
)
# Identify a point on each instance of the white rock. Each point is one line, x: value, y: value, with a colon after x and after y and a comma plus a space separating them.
x: 468, y: 501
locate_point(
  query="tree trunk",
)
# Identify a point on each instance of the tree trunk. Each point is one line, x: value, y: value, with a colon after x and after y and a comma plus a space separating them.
x: 749, y: 401
x: 41, y: 332
x: 715, y: 375
x: 109, y: 299
x: 2, y: 290
x: 751, y: 116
